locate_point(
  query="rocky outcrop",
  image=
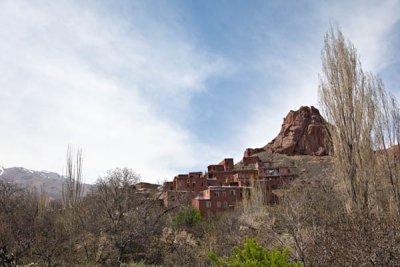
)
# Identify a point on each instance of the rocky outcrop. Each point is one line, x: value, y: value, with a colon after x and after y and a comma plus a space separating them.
x: 303, y: 132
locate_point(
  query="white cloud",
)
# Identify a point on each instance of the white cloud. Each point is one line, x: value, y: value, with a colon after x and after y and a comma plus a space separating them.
x: 368, y: 25
x: 71, y: 76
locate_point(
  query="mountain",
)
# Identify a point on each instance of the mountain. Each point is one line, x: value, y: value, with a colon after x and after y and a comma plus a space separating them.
x: 303, y: 132
x: 50, y: 182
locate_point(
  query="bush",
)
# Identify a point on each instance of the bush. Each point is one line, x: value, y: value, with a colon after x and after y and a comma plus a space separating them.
x: 187, y: 216
x: 253, y: 254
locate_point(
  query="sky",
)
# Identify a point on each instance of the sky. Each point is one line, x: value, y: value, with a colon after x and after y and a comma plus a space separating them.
x: 168, y: 87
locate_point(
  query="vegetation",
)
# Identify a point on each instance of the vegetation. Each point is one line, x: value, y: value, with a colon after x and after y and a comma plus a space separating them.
x: 187, y: 216
x: 253, y: 254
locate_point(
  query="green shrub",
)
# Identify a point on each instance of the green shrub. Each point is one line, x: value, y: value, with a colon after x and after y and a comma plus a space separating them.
x: 254, y: 255
x: 187, y: 216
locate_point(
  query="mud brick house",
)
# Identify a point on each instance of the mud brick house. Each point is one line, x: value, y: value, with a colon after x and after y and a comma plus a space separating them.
x: 216, y: 199
x: 223, y: 185
x: 192, y: 182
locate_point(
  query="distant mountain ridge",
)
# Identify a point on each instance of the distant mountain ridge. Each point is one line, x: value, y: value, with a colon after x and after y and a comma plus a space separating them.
x: 50, y: 182
x: 21, y: 170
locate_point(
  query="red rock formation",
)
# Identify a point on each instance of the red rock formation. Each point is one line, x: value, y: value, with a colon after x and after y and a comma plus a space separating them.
x: 303, y: 132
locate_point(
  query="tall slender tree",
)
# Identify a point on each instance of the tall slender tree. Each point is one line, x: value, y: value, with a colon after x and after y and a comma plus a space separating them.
x: 346, y: 96
x: 73, y: 183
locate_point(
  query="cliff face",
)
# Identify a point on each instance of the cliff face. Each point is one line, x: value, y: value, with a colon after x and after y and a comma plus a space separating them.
x: 303, y: 132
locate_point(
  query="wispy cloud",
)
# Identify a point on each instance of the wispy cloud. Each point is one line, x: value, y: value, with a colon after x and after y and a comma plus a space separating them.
x: 106, y: 84
x: 369, y: 25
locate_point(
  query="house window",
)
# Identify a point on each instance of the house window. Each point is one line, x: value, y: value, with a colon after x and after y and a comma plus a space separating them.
x: 225, y: 204
x: 218, y: 204
x: 208, y: 204
x: 224, y: 193
x: 216, y: 194
x: 233, y: 193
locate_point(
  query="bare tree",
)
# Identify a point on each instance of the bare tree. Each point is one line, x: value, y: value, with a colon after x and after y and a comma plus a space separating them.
x: 387, y: 133
x: 74, y: 219
x: 73, y: 183
x: 346, y: 94
x: 129, y: 220
x: 365, y: 127
x: 115, y: 192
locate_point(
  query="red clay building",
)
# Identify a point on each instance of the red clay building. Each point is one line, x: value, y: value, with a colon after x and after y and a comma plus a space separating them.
x: 216, y: 199
x: 223, y: 184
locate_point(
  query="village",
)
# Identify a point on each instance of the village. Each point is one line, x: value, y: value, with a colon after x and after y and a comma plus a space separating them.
x: 226, y: 184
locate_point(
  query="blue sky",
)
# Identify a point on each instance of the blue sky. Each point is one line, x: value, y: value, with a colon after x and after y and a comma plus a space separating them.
x: 167, y: 87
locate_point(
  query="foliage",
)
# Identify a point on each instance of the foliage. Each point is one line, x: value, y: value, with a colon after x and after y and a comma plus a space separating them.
x: 187, y: 216
x: 253, y: 254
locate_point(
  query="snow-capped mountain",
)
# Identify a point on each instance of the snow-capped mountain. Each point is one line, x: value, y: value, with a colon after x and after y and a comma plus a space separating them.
x: 49, y: 182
